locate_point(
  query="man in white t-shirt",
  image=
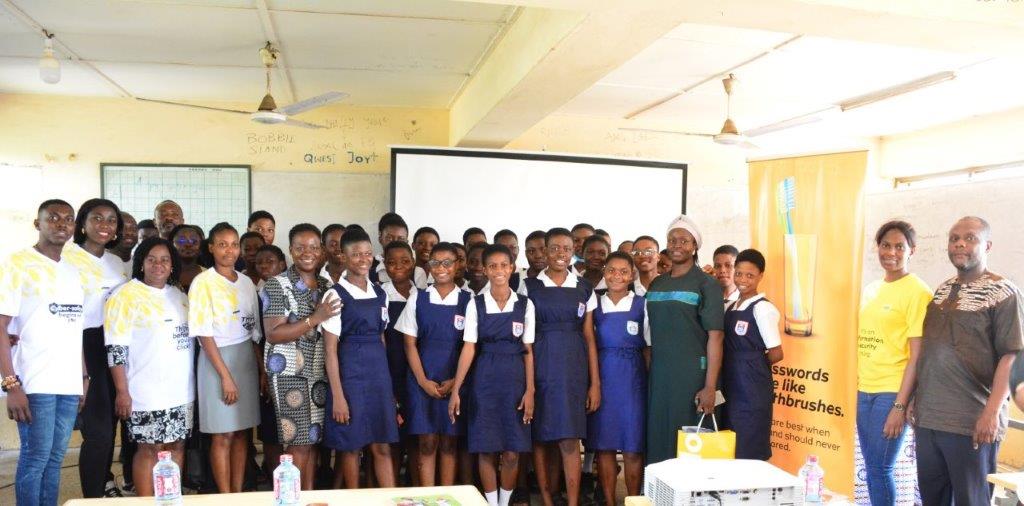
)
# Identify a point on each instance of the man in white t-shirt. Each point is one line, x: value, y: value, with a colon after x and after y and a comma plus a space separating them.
x: 41, y: 298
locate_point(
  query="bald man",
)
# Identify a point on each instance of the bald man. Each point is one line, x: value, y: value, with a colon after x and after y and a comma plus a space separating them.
x: 973, y: 330
x: 168, y: 215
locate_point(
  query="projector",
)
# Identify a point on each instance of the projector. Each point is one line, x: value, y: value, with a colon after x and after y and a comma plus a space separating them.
x: 691, y: 481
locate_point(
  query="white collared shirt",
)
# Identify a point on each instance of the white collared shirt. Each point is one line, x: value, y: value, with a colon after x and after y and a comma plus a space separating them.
x: 419, y: 276
x: 333, y: 324
x: 638, y: 287
x: 407, y: 324
x: 733, y: 296
x: 491, y: 306
x: 571, y: 281
x: 625, y: 304
x: 393, y: 294
x: 766, y: 315
x: 327, y: 275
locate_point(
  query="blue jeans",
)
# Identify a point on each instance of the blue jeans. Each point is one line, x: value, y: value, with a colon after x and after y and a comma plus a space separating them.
x: 879, y: 453
x: 43, y: 443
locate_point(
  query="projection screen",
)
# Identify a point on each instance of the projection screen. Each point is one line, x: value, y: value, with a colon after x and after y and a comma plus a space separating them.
x: 453, y: 189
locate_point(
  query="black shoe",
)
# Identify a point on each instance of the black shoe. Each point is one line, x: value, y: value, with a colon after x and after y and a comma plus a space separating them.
x: 112, y: 491
x: 520, y: 495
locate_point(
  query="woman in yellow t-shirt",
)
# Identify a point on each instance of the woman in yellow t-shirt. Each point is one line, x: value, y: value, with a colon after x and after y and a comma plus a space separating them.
x: 890, y: 326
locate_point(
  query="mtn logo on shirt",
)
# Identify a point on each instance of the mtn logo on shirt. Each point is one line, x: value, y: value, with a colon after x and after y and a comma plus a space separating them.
x: 69, y: 312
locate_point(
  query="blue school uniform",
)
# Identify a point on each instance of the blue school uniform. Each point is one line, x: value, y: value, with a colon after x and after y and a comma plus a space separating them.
x: 618, y: 424
x: 495, y: 424
x: 439, y: 342
x: 560, y: 357
x: 747, y: 383
x: 394, y: 343
x: 365, y: 379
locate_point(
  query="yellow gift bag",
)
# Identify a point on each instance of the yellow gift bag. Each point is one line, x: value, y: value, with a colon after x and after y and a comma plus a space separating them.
x: 708, y: 444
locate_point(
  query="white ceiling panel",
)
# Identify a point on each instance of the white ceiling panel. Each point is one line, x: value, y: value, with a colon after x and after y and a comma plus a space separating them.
x: 375, y: 88
x: 21, y: 75
x: 334, y: 41
x: 415, y: 53
x: 468, y: 11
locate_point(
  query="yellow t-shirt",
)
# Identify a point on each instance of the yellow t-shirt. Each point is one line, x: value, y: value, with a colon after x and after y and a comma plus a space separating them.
x: 890, y: 314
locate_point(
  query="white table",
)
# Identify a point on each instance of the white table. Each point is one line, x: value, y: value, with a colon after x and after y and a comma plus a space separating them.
x: 465, y: 494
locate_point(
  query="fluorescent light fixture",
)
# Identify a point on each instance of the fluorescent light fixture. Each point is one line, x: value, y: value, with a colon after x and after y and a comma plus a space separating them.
x: 803, y: 119
x: 49, y: 67
x: 899, y: 89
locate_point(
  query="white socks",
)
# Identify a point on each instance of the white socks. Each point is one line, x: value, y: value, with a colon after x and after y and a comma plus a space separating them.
x: 504, y: 496
x: 492, y: 498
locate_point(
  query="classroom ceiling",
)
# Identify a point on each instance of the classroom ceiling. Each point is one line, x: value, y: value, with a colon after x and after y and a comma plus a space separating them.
x: 415, y: 53
x: 805, y: 75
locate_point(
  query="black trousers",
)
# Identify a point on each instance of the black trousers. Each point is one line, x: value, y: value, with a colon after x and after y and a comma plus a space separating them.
x: 96, y: 421
x: 950, y: 471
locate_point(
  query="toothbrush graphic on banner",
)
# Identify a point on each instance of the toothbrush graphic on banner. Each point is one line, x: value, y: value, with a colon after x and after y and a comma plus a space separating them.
x: 800, y: 259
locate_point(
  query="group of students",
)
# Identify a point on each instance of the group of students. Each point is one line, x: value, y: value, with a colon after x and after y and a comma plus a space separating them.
x: 425, y: 353
x: 435, y: 350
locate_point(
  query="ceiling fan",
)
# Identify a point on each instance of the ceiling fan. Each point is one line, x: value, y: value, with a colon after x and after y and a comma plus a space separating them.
x: 268, y: 112
x: 729, y: 135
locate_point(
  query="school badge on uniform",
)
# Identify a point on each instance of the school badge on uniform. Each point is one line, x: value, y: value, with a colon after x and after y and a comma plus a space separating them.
x: 633, y: 328
x: 581, y: 309
x: 517, y: 329
x: 460, y: 322
x: 741, y: 328
x: 384, y: 314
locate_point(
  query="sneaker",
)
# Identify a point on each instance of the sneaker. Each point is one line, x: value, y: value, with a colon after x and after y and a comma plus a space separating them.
x: 112, y: 491
x: 129, y: 490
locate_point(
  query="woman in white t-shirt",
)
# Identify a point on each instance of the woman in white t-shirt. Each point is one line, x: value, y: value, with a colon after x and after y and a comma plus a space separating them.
x: 149, y: 351
x: 223, y: 312
x: 98, y: 226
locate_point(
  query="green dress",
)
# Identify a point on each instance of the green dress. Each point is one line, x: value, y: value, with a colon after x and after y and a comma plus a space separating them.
x: 681, y: 311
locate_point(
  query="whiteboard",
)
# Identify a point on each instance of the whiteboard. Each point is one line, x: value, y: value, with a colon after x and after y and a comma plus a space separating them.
x: 451, y: 190
x: 207, y: 194
x: 932, y: 211
x: 321, y: 198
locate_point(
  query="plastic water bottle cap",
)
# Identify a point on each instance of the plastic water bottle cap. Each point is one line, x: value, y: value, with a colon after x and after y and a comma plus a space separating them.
x: 286, y: 458
x: 812, y: 458
x: 165, y: 455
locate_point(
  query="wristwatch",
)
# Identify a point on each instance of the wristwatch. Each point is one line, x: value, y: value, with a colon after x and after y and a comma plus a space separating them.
x: 899, y: 406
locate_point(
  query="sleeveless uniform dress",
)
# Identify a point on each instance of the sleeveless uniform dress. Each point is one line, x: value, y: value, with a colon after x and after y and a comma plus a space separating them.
x: 747, y: 384
x: 499, y: 382
x: 365, y: 379
x: 618, y: 425
x: 439, y: 342
x: 394, y: 343
x: 560, y: 358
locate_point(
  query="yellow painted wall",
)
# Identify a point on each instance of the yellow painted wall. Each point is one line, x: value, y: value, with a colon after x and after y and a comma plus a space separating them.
x: 58, y: 143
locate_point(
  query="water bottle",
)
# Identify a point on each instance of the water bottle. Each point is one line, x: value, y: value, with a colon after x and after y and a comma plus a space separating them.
x: 813, y: 477
x: 166, y: 481
x: 286, y: 483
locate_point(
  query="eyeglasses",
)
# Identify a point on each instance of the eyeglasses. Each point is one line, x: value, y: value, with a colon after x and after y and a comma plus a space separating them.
x: 446, y: 263
x: 181, y: 241
x: 644, y: 253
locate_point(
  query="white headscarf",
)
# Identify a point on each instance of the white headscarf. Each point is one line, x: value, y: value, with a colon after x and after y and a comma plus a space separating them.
x: 686, y: 223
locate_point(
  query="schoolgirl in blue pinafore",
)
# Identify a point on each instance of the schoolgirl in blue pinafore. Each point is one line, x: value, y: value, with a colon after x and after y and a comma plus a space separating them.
x: 495, y: 424
x: 365, y: 379
x: 439, y: 342
x: 394, y: 343
x: 618, y: 424
x: 560, y: 357
x: 747, y: 382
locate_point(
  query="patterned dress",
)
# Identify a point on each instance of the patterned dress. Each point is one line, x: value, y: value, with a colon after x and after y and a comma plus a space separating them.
x: 298, y: 383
